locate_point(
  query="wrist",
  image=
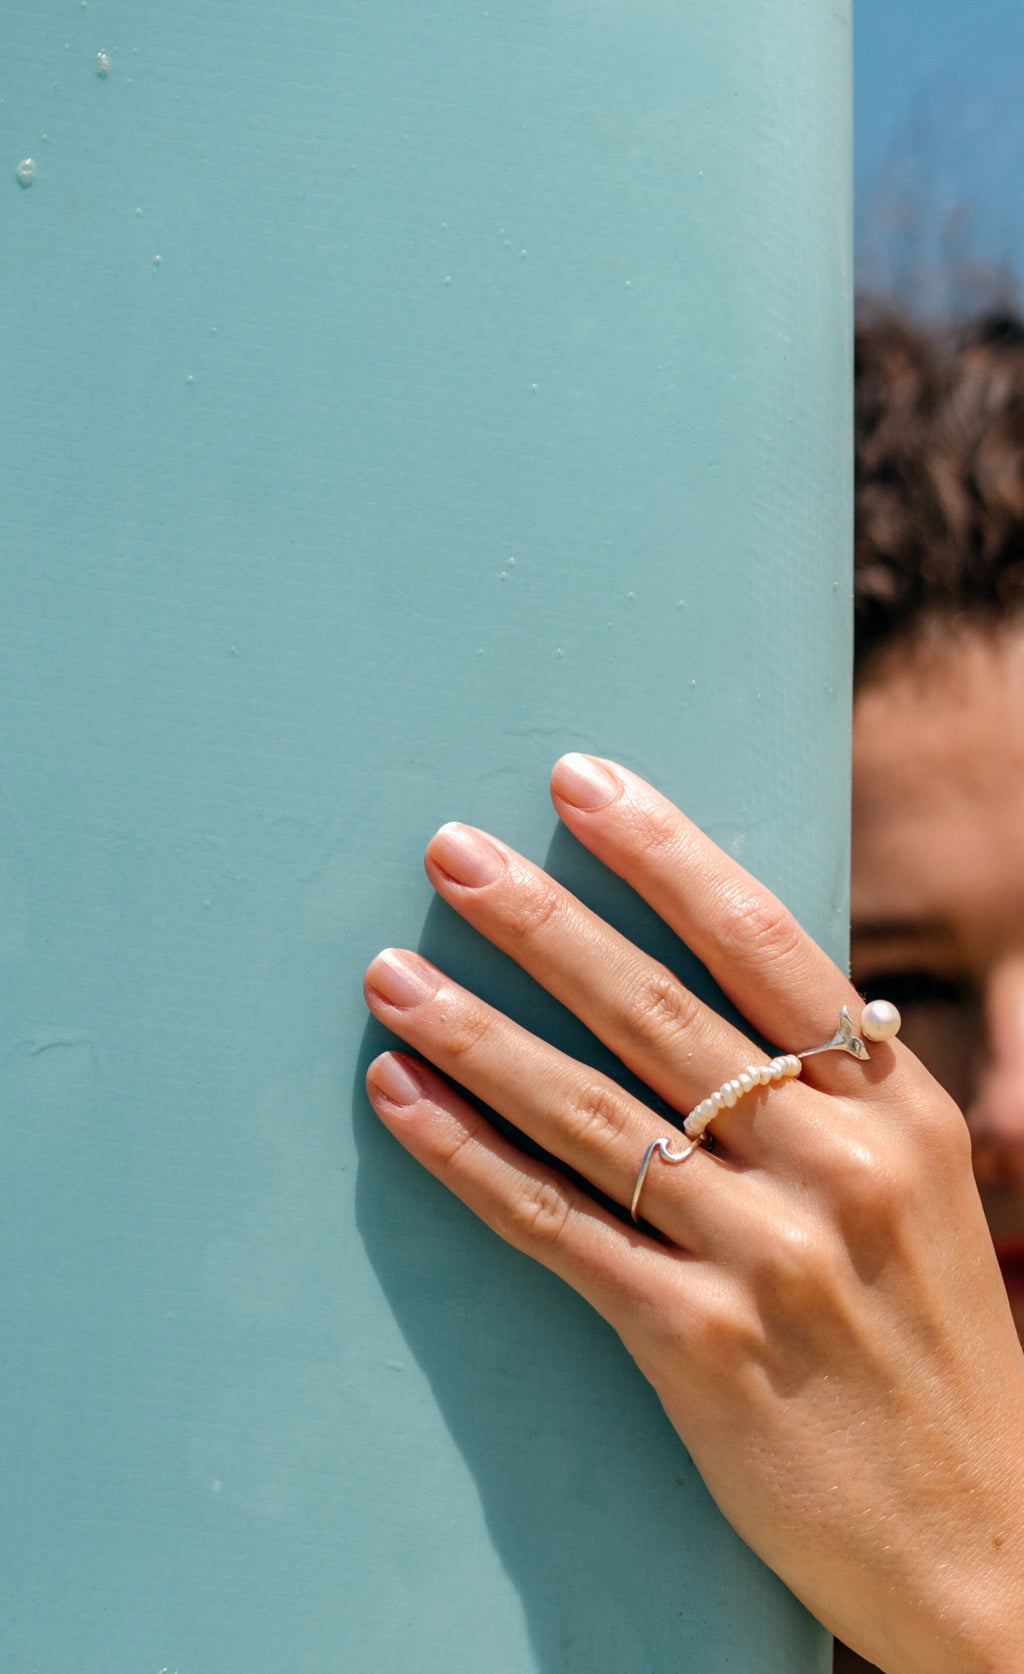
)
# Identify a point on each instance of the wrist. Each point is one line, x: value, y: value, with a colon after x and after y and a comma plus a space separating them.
x: 970, y: 1619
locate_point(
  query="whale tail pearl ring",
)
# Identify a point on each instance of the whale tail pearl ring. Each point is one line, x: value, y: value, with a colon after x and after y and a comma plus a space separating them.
x: 880, y: 1021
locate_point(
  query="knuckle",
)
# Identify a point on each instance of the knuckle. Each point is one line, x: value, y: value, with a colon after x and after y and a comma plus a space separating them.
x: 874, y: 1184
x: 538, y: 902
x: 937, y: 1123
x: 464, y: 1027
x: 596, y: 1117
x: 802, y: 1276
x: 657, y: 832
x: 726, y: 1335
x: 873, y: 1188
x: 894, y: 1186
x: 455, y: 1138
x: 760, y: 925
x: 864, y: 1184
x: 661, y: 1009
x: 792, y: 1256
x: 538, y: 1214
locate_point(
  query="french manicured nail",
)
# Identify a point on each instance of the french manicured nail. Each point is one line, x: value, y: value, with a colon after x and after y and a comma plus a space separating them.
x: 398, y: 979
x: 583, y: 783
x: 396, y: 1079
x: 466, y: 856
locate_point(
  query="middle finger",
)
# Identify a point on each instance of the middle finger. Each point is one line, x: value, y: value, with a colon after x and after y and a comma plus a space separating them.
x: 573, y: 1111
x: 678, y: 1046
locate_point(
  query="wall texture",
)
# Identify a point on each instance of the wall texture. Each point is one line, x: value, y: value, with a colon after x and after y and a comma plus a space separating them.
x: 394, y: 397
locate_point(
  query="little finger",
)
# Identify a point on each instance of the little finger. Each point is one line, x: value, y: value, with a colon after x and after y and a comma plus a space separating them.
x: 618, y: 1269
x: 573, y: 1111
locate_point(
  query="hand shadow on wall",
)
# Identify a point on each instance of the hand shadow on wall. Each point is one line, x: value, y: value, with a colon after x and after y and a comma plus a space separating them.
x: 601, y: 1521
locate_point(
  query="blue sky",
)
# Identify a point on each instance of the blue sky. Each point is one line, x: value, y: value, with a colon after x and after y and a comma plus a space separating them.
x: 939, y: 150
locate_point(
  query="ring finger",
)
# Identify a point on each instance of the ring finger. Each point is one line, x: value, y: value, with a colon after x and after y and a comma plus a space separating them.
x: 674, y: 1043
x: 578, y: 1115
x: 618, y: 1269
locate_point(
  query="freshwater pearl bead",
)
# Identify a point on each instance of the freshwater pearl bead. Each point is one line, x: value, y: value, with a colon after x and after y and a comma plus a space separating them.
x: 730, y: 1092
x: 697, y: 1121
x: 880, y: 1020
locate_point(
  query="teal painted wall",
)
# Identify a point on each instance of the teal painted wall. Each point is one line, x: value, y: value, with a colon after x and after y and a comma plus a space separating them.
x: 394, y: 397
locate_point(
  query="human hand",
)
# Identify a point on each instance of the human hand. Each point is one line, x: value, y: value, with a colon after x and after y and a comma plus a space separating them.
x: 818, y: 1307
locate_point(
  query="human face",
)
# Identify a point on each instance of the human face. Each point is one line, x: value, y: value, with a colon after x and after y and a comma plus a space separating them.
x: 938, y: 889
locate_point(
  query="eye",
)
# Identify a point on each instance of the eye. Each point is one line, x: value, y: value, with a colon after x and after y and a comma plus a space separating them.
x: 942, y: 1022
x: 907, y: 989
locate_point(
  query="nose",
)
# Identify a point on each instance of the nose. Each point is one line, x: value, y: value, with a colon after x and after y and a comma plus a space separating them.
x: 997, y: 1112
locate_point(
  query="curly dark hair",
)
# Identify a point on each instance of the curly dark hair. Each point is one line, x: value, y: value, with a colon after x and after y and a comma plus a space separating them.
x: 939, y: 475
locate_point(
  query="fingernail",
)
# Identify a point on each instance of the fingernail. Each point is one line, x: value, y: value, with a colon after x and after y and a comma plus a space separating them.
x: 395, y: 1078
x: 399, y: 979
x: 583, y: 783
x: 465, y: 856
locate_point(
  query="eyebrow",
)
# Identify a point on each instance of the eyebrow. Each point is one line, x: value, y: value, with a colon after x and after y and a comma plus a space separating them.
x: 897, y: 929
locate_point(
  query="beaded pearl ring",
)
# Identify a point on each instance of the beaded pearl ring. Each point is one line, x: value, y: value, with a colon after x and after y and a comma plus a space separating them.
x: 880, y: 1021
x: 755, y: 1075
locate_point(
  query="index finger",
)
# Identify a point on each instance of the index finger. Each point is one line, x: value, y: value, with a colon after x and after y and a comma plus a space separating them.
x: 752, y: 945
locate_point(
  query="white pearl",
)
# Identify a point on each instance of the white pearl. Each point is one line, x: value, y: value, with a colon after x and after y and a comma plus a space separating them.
x: 729, y: 1094
x: 718, y: 1100
x: 880, y: 1020
x: 791, y: 1064
x: 746, y: 1081
x: 764, y: 1074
